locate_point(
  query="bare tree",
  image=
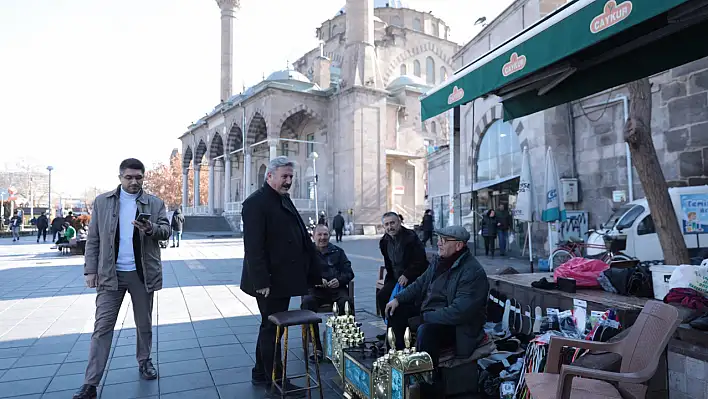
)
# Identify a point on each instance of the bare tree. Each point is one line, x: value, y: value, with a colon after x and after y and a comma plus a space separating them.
x: 637, y: 133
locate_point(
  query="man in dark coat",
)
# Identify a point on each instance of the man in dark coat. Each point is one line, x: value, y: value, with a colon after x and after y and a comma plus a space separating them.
x: 404, y: 257
x: 177, y: 225
x: 504, y: 224
x: 278, y: 262
x: 450, y: 299
x: 336, y: 274
x: 57, y: 226
x: 427, y: 227
x: 42, y: 225
x: 338, y: 226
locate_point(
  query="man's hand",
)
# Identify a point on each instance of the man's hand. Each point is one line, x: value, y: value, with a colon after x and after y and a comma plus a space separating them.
x: 144, y: 227
x: 391, y: 307
x: 91, y: 280
x: 403, y: 281
x: 333, y: 283
x: 264, y: 291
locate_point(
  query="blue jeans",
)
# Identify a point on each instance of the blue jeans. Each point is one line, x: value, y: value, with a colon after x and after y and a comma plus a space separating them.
x: 503, y: 240
x: 176, y: 237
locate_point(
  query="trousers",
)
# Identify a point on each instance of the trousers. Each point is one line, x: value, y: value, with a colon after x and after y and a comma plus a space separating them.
x: 265, y: 346
x: 319, y: 297
x: 107, y: 308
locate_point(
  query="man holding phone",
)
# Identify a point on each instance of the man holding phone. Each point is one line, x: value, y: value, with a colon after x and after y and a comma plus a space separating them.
x: 123, y: 255
x: 278, y: 261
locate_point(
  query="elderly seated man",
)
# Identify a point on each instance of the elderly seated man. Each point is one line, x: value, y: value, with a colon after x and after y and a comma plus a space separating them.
x: 336, y: 274
x: 447, y: 304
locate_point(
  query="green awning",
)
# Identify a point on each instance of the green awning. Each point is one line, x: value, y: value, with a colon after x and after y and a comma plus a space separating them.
x: 584, y: 47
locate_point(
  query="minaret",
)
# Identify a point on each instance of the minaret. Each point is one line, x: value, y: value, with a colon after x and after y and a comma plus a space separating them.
x: 228, y: 12
x: 360, y: 66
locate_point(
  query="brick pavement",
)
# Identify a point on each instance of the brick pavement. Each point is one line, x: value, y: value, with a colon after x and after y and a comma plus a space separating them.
x: 205, y: 326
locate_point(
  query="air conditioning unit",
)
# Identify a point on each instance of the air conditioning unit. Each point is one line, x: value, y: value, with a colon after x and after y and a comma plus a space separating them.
x: 570, y: 190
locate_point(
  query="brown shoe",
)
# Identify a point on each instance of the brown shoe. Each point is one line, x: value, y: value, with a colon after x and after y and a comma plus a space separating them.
x: 147, y: 370
x: 86, y: 392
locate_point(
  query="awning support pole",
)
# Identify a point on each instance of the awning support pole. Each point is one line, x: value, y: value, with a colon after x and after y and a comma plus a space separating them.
x: 454, y: 197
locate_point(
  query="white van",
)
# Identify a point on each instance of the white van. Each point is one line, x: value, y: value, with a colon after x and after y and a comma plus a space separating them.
x: 634, y: 220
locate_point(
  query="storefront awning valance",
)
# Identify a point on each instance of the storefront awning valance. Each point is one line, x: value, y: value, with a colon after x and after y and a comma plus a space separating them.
x: 582, y: 48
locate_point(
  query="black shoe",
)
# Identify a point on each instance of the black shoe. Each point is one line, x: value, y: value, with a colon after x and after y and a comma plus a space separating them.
x: 147, y: 370
x: 86, y: 392
x: 173, y: 245
x: 544, y: 284
x: 177, y: 245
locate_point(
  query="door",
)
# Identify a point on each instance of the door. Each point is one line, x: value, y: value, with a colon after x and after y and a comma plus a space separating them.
x: 643, y: 240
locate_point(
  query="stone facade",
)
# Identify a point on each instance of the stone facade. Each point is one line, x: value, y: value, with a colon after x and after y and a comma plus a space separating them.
x: 591, y: 148
x: 353, y: 101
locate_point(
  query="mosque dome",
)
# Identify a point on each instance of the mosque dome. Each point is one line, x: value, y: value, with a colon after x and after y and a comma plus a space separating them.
x: 380, y: 4
x: 287, y: 75
x: 406, y: 80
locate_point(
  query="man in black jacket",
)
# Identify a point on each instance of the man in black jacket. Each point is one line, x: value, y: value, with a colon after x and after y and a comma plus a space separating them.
x: 427, y: 227
x: 450, y: 297
x: 336, y: 274
x: 42, y: 225
x: 338, y: 226
x: 177, y: 225
x: 278, y: 261
x: 404, y: 257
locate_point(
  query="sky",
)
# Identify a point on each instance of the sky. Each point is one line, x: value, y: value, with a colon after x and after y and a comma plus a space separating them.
x: 85, y: 84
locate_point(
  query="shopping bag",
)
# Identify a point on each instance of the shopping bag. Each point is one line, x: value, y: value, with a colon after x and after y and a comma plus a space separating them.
x: 688, y: 276
x: 396, y: 289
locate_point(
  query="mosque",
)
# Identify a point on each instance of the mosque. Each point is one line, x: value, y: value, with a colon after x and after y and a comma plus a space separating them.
x: 347, y: 112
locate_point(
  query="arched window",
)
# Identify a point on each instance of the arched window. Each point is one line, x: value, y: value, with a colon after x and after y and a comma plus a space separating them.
x: 430, y: 71
x: 417, y: 25
x: 443, y: 74
x: 333, y: 31
x: 433, y: 127
x: 416, y: 68
x: 404, y: 70
x: 499, y: 156
x: 396, y: 21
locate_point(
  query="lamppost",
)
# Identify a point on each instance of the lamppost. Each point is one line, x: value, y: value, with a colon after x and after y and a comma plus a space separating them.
x: 49, y: 197
x: 313, y: 156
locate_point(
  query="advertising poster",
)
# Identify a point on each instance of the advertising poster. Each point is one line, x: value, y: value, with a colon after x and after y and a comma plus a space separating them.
x: 694, y: 209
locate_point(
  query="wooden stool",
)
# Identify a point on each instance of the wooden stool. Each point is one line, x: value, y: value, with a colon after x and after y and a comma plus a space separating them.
x: 307, y: 319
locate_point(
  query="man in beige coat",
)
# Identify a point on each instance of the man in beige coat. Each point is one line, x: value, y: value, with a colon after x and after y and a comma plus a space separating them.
x: 123, y: 255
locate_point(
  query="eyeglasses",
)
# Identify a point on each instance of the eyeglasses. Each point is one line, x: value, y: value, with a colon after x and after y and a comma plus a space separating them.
x: 445, y: 240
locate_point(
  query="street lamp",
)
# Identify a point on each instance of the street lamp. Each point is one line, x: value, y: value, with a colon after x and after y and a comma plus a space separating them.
x: 49, y: 197
x: 314, y: 156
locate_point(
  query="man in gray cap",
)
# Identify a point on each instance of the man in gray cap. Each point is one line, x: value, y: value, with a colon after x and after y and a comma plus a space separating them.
x: 447, y: 305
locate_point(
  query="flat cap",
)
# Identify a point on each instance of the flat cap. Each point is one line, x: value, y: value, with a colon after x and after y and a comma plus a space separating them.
x: 457, y: 233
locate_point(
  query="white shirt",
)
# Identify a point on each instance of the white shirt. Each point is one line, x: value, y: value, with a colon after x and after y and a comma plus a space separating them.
x: 128, y: 208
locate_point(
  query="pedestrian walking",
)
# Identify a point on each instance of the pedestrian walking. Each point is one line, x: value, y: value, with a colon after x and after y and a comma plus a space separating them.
x: 278, y: 261
x: 504, y: 223
x: 129, y: 263
x: 42, y: 225
x: 15, y: 225
x: 177, y: 225
x: 427, y: 226
x: 489, y: 231
x: 338, y: 226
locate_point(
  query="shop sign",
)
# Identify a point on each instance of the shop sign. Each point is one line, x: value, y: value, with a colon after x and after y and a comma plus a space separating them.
x: 612, y: 14
x: 516, y: 63
x: 694, y: 209
x: 456, y: 95
x: 399, y: 190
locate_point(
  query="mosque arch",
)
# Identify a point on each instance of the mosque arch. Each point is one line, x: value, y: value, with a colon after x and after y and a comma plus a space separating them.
x: 187, y: 158
x: 302, y: 108
x: 216, y: 146
x: 261, y: 175
x: 234, y: 141
x: 257, y: 129
x: 199, y: 153
x: 393, y: 68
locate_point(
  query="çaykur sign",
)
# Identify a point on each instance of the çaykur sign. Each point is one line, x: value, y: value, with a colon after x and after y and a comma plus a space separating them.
x: 612, y: 14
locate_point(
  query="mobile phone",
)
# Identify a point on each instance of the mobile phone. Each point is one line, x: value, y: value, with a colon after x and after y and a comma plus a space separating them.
x: 143, y: 217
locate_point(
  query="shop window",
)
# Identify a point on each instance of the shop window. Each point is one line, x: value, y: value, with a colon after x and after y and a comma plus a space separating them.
x: 430, y: 71
x: 499, y: 154
x: 404, y: 70
x: 646, y: 226
x: 416, y: 68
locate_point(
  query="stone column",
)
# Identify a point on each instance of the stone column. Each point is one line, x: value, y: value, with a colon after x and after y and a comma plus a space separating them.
x: 227, y: 179
x: 454, y: 117
x: 273, y: 146
x: 246, y: 174
x: 185, y: 189
x: 210, y: 194
x: 228, y: 12
x: 197, y: 168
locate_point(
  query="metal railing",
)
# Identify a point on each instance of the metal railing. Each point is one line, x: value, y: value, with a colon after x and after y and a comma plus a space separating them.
x: 232, y: 208
x: 201, y: 210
